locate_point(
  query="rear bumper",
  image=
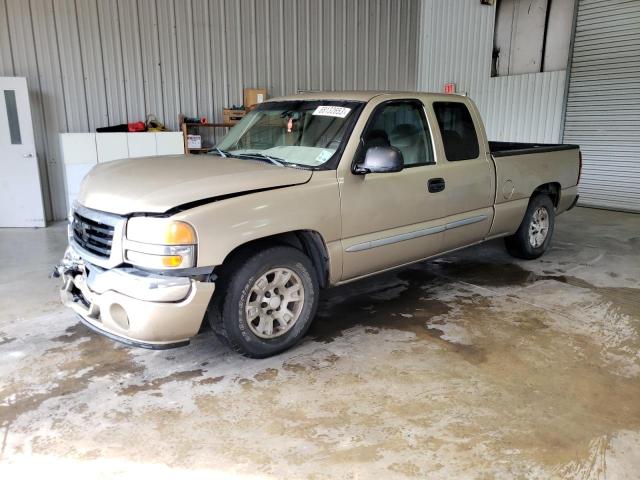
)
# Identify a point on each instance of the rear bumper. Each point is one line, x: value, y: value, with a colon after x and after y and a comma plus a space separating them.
x: 133, y: 307
x: 568, y: 199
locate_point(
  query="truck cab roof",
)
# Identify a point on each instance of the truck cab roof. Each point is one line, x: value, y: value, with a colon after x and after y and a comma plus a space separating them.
x: 354, y: 95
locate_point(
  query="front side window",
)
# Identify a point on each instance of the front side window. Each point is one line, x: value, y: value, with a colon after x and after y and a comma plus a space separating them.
x: 402, y: 125
x: 458, y: 132
x: 307, y: 134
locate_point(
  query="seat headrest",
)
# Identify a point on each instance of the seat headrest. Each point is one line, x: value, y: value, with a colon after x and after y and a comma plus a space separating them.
x: 404, y: 134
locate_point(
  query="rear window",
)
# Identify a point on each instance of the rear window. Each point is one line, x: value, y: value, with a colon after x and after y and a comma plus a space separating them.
x: 458, y: 133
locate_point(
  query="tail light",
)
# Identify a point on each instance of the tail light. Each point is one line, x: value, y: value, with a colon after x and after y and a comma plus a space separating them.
x: 579, y: 165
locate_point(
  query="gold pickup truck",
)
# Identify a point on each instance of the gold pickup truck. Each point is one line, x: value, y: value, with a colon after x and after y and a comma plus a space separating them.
x: 306, y: 192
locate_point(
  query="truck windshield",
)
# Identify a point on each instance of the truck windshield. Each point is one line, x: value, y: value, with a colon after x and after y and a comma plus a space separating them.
x: 298, y: 133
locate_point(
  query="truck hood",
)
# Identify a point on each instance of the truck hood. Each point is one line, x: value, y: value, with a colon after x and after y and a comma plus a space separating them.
x: 158, y: 184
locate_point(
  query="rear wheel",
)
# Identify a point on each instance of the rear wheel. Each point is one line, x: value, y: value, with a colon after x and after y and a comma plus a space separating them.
x: 266, y: 303
x: 534, y: 234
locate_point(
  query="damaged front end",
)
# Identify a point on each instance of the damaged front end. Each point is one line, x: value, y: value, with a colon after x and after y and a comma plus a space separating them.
x: 132, y: 305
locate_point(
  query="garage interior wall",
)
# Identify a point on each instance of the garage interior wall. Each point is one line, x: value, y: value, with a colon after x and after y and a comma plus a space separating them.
x: 456, y: 41
x: 603, y: 102
x: 92, y: 63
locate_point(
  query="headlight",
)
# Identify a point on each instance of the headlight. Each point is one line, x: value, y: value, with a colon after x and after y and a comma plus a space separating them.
x: 160, y: 231
x: 160, y: 243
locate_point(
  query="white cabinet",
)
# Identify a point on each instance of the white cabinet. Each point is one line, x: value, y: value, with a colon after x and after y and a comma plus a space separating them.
x: 111, y: 146
x: 81, y: 151
x: 170, y: 143
x: 79, y: 148
x: 142, y: 144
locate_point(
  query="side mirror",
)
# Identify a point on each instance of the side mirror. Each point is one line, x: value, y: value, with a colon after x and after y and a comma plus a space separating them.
x: 380, y: 160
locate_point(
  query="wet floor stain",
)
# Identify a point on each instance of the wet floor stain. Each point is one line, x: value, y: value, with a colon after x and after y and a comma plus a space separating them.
x: 470, y: 353
x: 394, y: 304
x: 73, y: 333
x: 484, y: 274
x: 157, y: 383
x: 92, y: 357
x: 267, y: 375
x: 581, y: 388
x: 211, y: 380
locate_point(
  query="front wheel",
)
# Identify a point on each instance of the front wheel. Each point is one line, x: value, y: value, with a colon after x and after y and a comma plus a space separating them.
x: 268, y: 302
x: 534, y: 234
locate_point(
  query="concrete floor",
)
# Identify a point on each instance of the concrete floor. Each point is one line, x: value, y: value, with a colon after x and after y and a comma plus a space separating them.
x: 470, y: 366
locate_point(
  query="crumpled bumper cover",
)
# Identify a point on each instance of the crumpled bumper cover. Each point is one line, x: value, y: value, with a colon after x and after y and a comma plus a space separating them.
x: 134, y: 307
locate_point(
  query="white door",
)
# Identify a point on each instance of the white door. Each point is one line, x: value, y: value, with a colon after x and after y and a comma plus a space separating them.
x: 20, y: 190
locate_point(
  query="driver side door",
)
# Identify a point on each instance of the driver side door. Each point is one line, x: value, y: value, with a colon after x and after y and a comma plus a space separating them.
x: 387, y: 219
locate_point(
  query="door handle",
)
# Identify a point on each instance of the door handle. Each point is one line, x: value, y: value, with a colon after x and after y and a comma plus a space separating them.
x: 436, y: 185
x: 28, y: 155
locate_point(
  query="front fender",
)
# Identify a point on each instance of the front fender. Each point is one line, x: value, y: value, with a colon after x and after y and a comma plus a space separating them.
x: 224, y: 225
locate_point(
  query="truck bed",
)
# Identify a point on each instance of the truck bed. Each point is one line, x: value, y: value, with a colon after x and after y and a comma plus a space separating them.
x: 504, y: 149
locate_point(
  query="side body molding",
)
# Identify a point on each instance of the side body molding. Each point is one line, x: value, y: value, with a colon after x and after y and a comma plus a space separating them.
x: 415, y: 234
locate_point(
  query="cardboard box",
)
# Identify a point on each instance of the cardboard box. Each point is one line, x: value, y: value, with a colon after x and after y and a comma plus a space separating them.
x: 232, y: 116
x: 194, y: 141
x: 254, y: 96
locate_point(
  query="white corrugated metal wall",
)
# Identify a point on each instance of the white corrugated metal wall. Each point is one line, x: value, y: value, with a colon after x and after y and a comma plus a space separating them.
x: 456, y: 44
x: 91, y: 63
x: 603, y: 103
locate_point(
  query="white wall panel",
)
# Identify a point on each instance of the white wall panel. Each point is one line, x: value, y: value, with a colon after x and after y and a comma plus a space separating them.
x: 132, y: 53
x: 150, y: 57
x: 111, y: 58
x: 51, y: 104
x: 6, y: 60
x: 456, y: 44
x: 93, y: 63
x: 73, y: 82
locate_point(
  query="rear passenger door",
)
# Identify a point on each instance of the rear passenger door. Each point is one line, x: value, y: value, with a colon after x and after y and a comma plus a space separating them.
x: 467, y: 171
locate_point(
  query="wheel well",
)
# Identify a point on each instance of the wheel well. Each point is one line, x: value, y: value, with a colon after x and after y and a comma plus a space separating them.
x: 552, y: 189
x: 309, y: 242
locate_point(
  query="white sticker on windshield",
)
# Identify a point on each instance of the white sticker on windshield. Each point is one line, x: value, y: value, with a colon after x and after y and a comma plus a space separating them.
x: 332, y: 111
x: 324, y: 155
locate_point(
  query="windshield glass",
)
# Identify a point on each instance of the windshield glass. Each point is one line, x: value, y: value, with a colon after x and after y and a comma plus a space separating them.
x: 302, y: 133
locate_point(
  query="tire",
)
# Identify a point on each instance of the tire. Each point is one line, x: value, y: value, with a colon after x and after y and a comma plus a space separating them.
x: 532, y: 238
x: 231, y: 313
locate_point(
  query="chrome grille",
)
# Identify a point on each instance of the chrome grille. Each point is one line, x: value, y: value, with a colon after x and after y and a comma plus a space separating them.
x: 93, y: 236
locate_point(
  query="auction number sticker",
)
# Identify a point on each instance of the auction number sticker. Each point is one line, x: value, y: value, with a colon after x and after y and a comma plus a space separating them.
x: 332, y: 111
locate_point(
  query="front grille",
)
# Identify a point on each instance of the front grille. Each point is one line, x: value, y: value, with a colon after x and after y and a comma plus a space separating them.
x: 92, y: 236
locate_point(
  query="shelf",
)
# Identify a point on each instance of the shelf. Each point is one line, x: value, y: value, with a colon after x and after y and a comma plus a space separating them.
x: 213, y: 125
x: 185, y: 127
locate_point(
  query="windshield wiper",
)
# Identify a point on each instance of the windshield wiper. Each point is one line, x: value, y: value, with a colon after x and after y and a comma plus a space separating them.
x: 222, y: 153
x: 258, y: 156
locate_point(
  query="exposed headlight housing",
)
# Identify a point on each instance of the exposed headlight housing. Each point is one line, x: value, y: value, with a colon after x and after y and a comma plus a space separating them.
x: 160, y: 243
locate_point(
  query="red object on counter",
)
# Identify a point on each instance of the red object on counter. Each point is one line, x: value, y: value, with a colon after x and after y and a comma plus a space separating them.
x: 136, y: 127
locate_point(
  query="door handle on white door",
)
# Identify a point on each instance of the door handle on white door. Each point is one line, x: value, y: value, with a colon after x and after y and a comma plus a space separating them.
x: 28, y: 155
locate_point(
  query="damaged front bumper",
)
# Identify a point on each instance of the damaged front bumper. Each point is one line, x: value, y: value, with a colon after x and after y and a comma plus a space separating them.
x: 134, y: 307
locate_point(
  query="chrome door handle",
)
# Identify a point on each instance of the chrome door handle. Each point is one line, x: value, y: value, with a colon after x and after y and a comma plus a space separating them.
x: 28, y: 155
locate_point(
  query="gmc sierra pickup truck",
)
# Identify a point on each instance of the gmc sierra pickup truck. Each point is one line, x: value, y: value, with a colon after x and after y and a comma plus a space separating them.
x: 306, y: 192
